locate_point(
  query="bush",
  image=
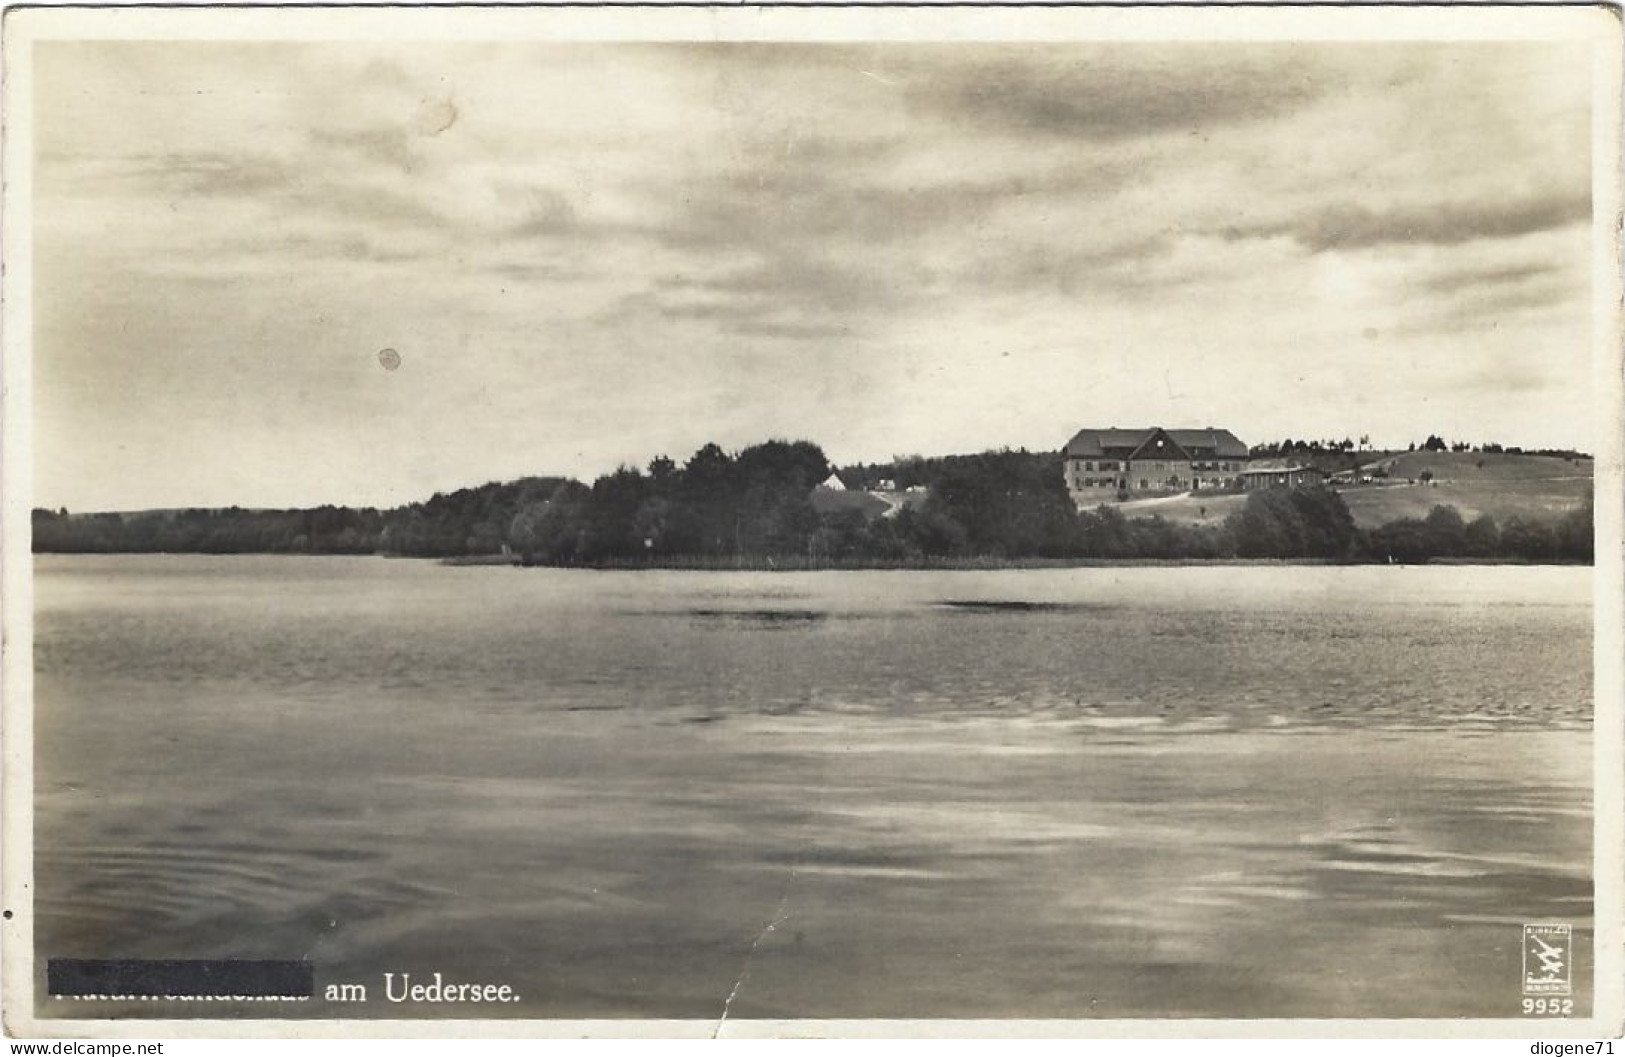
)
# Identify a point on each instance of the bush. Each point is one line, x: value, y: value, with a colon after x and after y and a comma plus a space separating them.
x: 1482, y: 537
x: 1574, y: 535
x: 1531, y: 540
x: 1404, y: 540
x: 1309, y: 522
x: 1447, y: 533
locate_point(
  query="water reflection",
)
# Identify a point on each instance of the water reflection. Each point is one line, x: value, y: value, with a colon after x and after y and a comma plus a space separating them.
x: 1100, y: 792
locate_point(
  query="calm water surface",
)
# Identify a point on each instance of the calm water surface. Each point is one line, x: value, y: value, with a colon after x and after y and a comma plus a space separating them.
x: 1107, y: 792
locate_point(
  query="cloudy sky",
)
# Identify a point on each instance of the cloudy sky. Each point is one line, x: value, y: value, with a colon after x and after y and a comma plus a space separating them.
x: 589, y: 255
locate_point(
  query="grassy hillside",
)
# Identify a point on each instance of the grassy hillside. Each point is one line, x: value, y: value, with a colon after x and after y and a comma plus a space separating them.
x: 1471, y: 466
x: 1503, y: 486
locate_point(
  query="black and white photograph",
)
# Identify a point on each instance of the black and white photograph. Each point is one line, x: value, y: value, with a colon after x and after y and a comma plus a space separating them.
x: 768, y: 521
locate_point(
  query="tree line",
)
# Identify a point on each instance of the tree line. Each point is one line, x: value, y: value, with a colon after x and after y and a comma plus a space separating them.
x: 761, y: 507
x: 1433, y: 443
x: 1445, y: 534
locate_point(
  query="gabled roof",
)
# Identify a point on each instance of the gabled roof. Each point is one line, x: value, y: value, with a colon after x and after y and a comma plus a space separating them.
x: 1160, y: 445
x: 1098, y: 442
x: 1199, y: 443
x: 833, y: 483
x: 1219, y: 443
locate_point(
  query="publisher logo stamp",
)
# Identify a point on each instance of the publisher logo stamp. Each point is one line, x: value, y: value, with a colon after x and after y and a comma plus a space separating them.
x: 1547, y: 959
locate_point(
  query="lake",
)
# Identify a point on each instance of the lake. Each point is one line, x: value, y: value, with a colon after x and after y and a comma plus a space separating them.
x: 1227, y: 791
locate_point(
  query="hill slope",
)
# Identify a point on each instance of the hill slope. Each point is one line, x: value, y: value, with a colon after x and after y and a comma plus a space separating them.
x: 1503, y: 486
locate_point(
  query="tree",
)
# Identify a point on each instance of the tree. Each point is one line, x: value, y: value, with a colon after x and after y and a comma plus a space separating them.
x: 1403, y: 540
x: 1266, y: 526
x: 554, y: 531
x: 1007, y: 503
x: 1328, y: 527
x: 611, y: 515
x: 775, y: 480
x: 931, y: 530
x: 709, y: 521
x: 1446, y: 532
x: 1482, y: 538
x: 661, y: 470
x: 1102, y: 533
x: 1527, y: 539
x: 1308, y: 522
x: 791, y: 465
x: 1574, y: 534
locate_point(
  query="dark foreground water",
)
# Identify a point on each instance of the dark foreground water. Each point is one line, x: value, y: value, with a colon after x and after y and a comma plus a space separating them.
x: 1109, y: 792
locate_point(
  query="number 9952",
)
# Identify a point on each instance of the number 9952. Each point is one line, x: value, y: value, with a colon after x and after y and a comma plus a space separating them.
x: 1548, y: 1007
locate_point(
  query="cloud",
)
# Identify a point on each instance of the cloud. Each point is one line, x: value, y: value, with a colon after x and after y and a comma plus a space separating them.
x: 787, y: 295
x: 364, y: 204
x: 863, y: 244
x: 170, y: 173
x: 1478, y: 308
x: 524, y: 271
x: 1119, y: 93
x: 1011, y: 236
x: 1493, y: 276
x: 1440, y: 223
x: 222, y: 174
x: 548, y: 214
x: 794, y: 331
x: 385, y: 145
x: 354, y: 248
x: 1123, y: 267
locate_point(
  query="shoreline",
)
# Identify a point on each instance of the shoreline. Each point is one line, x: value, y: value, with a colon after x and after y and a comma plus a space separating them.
x: 837, y: 565
x: 996, y: 564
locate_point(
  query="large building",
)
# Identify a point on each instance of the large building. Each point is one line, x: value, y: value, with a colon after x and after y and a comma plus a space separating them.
x: 1106, y: 464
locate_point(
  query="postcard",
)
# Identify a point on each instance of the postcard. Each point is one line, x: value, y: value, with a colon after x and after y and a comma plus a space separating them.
x: 1094, y: 521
